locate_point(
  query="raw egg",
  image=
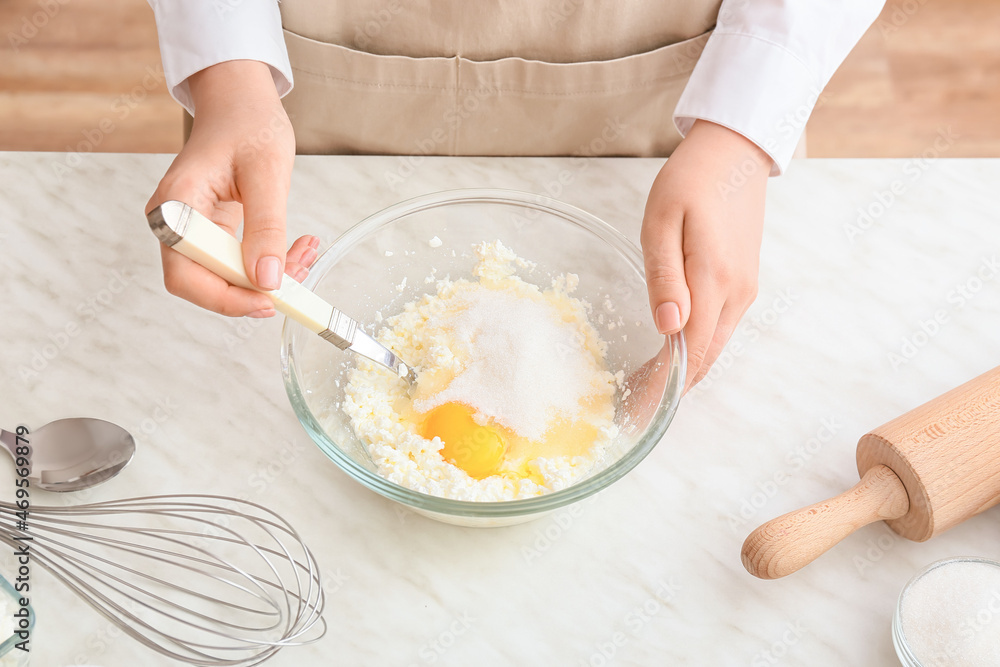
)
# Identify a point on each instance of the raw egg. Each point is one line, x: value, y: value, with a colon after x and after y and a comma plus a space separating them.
x: 476, y: 449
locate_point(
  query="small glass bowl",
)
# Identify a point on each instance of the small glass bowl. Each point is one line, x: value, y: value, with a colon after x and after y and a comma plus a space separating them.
x: 946, y: 654
x: 10, y: 656
x: 394, y: 256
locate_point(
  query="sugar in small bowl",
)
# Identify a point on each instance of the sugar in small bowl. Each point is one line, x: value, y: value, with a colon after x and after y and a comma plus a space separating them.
x: 948, y: 615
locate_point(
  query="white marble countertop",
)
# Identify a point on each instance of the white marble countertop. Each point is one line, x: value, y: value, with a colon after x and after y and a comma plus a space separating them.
x: 649, y: 570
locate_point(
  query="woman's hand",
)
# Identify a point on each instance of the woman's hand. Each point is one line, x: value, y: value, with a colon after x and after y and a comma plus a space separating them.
x: 236, y: 167
x: 701, y: 236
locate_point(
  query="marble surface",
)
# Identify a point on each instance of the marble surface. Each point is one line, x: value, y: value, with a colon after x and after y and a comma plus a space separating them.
x: 648, y: 572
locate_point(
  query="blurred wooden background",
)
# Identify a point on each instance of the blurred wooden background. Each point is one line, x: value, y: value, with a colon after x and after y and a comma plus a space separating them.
x: 89, y: 74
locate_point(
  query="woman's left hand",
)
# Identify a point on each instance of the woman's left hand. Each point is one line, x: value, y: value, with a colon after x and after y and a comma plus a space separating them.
x: 701, y: 236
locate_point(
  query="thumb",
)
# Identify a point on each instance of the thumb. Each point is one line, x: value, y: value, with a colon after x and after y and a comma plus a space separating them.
x: 264, y: 195
x: 663, y: 252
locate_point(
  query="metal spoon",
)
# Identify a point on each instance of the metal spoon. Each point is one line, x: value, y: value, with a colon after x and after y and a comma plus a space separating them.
x: 73, y: 454
x: 187, y: 231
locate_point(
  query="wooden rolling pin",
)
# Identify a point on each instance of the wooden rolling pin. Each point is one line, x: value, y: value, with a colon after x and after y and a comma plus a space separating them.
x: 922, y: 473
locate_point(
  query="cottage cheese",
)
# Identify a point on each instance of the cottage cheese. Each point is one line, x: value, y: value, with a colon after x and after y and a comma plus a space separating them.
x: 527, y: 364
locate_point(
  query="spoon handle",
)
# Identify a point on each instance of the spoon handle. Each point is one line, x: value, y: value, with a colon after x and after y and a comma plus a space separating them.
x: 187, y: 231
x: 196, y: 237
x: 9, y: 440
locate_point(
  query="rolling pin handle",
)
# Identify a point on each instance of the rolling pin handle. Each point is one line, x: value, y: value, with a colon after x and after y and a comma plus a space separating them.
x: 786, y: 544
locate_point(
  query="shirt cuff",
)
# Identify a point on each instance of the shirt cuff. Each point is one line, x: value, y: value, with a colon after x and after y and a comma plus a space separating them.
x: 195, y: 34
x: 751, y: 86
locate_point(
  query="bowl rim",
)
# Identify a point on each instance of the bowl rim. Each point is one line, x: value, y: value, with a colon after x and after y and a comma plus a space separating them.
x: 468, y: 508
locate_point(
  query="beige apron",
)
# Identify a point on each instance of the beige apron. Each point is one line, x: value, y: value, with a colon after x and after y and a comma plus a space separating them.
x: 491, y: 77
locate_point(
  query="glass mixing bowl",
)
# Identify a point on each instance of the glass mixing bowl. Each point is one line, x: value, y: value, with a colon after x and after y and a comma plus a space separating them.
x: 395, y: 256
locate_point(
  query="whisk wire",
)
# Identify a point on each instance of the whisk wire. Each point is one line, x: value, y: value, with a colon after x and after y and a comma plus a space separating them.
x: 296, y: 605
x: 130, y: 548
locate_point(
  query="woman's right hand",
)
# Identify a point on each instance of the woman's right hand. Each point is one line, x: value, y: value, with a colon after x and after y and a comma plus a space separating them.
x: 236, y: 167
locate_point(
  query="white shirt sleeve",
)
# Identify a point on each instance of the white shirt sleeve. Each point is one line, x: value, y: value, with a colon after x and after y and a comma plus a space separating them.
x: 195, y: 34
x: 766, y: 64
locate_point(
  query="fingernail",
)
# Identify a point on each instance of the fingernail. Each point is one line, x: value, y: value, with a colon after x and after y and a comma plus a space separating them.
x: 269, y: 272
x: 314, y: 242
x: 262, y: 313
x: 668, y: 318
x: 308, y: 257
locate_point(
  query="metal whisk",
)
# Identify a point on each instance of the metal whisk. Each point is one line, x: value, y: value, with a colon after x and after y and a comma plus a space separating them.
x: 205, y: 579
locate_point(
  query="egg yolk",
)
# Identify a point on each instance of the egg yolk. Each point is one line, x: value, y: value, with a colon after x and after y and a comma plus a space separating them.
x: 476, y: 449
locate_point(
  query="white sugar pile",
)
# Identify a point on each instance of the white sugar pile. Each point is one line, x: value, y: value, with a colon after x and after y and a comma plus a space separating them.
x: 951, y: 615
x: 524, y: 370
